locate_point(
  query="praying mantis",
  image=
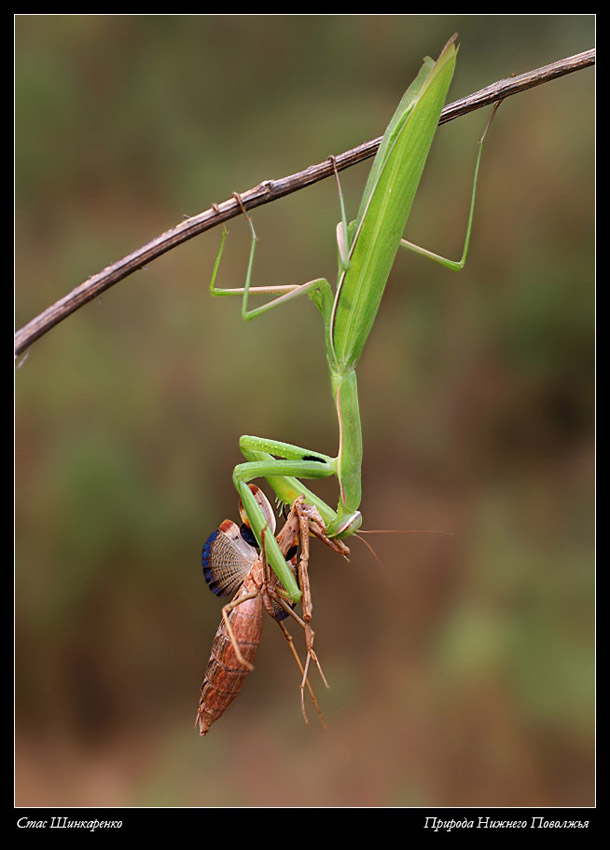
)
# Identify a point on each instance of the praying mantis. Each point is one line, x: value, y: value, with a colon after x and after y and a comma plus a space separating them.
x: 367, y: 248
x: 233, y: 566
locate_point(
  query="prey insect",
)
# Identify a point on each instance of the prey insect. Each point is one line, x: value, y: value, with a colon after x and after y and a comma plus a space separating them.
x: 367, y: 248
x: 232, y: 566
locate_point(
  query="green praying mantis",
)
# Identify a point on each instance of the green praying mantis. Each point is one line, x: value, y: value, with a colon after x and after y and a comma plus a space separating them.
x: 367, y: 248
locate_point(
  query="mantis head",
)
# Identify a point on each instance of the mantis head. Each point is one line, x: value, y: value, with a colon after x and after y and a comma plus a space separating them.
x: 345, y: 525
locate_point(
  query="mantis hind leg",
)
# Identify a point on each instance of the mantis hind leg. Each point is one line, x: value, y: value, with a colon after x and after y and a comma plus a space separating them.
x: 457, y: 265
x: 283, y: 293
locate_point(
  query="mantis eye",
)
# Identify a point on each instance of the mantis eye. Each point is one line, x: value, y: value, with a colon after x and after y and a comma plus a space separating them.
x: 345, y: 526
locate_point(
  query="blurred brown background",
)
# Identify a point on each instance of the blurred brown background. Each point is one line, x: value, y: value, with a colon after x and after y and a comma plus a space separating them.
x: 462, y: 669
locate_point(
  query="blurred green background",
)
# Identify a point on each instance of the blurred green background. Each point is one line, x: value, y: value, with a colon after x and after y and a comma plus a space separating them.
x: 462, y: 668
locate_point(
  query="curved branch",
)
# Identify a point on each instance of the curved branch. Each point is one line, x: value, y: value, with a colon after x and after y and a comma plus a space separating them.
x: 271, y: 190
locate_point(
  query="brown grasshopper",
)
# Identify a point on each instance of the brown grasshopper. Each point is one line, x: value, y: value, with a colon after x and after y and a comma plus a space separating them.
x: 232, y: 565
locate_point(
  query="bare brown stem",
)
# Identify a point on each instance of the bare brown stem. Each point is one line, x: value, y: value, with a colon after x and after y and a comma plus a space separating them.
x: 271, y: 190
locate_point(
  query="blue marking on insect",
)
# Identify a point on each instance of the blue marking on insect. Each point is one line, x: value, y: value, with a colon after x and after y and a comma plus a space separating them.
x: 227, y: 558
x: 208, y: 572
x: 248, y: 535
